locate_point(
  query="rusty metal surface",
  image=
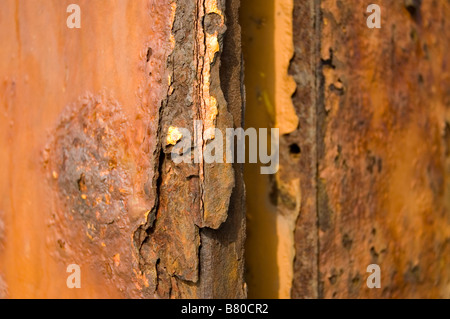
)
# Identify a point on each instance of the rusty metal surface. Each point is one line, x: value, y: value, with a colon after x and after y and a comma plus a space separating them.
x: 89, y: 118
x: 192, y: 196
x: 303, y: 68
x: 382, y: 113
x: 97, y: 174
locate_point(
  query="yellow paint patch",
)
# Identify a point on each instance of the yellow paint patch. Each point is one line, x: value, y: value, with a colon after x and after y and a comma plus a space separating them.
x: 173, y: 135
x: 212, y: 45
x: 208, y: 47
x: 210, y: 118
x: 211, y: 7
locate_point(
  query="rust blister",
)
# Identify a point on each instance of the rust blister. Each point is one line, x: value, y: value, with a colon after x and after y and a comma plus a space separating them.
x: 92, y: 169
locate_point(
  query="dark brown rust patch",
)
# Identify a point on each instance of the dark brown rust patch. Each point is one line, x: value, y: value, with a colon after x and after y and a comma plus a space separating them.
x: 93, y: 171
x: 347, y: 242
x: 325, y: 213
x: 413, y: 7
x: 447, y: 139
x: 303, y: 69
x: 212, y: 22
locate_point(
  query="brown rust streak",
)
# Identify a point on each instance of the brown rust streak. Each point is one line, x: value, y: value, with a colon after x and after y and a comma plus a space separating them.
x: 304, y: 68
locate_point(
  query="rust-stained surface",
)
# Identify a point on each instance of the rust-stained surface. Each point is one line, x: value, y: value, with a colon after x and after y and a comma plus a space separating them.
x: 89, y: 118
x: 302, y: 145
x: 382, y: 114
x: 88, y: 177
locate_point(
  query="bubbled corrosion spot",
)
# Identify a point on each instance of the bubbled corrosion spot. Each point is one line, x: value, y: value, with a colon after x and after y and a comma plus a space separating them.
x: 92, y: 169
x: 90, y: 162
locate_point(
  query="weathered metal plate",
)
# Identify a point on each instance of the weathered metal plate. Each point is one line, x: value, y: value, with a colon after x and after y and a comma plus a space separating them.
x: 88, y: 175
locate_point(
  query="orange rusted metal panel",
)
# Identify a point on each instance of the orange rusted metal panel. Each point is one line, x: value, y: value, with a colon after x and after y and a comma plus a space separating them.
x: 86, y: 172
